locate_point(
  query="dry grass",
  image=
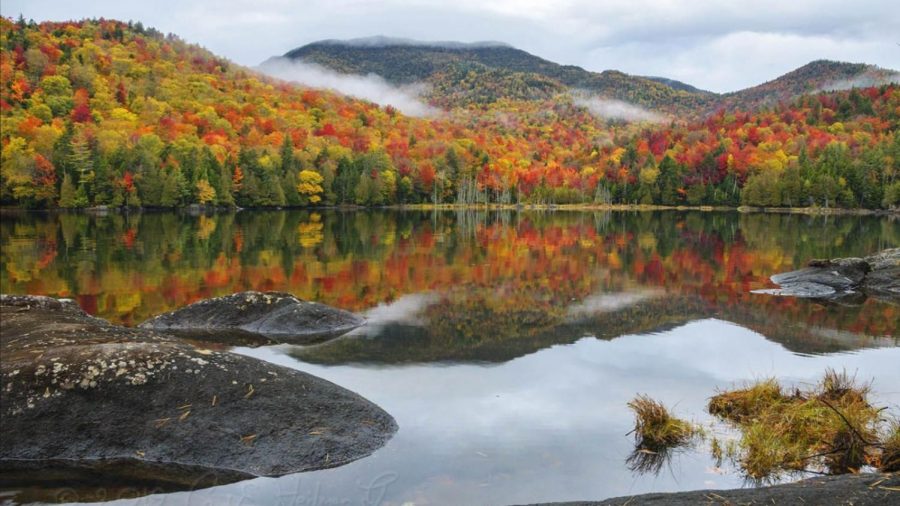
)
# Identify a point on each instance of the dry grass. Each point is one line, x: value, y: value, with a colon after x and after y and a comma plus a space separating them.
x: 745, y: 404
x: 655, y: 428
x: 889, y: 461
x: 656, y: 434
x: 831, y: 428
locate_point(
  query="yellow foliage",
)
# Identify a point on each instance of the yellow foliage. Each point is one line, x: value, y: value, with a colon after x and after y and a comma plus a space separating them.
x: 205, y: 192
x: 310, y: 232
x: 311, y: 185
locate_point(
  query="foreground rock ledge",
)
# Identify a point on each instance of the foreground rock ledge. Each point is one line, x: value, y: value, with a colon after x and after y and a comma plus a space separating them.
x: 85, y: 398
x: 848, y: 489
x: 257, y: 318
x: 875, y: 276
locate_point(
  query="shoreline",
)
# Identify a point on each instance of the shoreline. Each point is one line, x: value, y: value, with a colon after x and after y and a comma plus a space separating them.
x: 857, y: 489
x: 809, y: 211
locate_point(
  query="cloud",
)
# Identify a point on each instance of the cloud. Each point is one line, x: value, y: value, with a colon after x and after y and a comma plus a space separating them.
x: 609, y: 302
x: 407, y: 99
x: 615, y: 109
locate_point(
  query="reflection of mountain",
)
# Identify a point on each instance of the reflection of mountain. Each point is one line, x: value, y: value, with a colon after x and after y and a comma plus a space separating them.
x: 467, y: 329
x: 452, y: 332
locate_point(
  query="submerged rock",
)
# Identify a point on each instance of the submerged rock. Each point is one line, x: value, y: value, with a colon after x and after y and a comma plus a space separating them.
x: 877, y: 275
x: 257, y: 316
x: 83, y: 398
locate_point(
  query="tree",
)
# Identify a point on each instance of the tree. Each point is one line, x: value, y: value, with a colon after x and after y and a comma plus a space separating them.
x: 44, y: 182
x: 205, y: 192
x: 310, y: 186
x: 363, y: 192
x: 16, y: 167
x: 287, y: 156
x: 58, y: 92
x: 891, y: 196
x: 405, y: 193
x: 69, y: 197
x: 669, y: 181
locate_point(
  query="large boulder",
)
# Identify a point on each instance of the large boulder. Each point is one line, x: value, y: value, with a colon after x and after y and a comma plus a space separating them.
x: 257, y: 318
x: 884, y: 279
x: 839, y: 274
x: 876, y: 275
x: 85, y: 398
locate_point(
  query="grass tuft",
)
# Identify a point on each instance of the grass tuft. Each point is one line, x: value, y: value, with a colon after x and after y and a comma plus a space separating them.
x: 656, y: 434
x: 655, y: 428
x: 831, y: 428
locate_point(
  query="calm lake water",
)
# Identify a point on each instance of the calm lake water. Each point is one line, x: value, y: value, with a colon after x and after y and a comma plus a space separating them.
x: 506, y: 345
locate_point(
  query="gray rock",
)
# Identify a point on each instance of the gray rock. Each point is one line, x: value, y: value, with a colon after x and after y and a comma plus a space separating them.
x: 883, y: 282
x: 804, y: 289
x: 856, y: 489
x: 845, y: 278
x: 85, y: 398
x: 839, y: 274
x: 267, y: 316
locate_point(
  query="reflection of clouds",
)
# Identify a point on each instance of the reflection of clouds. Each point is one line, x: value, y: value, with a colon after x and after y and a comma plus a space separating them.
x: 406, y: 310
x: 549, y: 426
x: 609, y: 302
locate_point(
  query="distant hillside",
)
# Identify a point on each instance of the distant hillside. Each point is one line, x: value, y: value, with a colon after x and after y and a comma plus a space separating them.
x: 480, y: 73
x: 678, y: 85
x: 440, y: 64
x: 820, y: 75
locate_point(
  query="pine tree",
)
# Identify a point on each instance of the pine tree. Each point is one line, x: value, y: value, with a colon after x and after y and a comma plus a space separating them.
x: 67, y: 193
x: 287, y: 156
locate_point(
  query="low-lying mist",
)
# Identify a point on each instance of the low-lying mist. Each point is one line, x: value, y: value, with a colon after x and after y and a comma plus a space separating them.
x: 862, y: 81
x: 606, y: 108
x: 407, y: 99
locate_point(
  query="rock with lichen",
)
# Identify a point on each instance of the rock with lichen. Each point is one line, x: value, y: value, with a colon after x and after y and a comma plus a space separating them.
x: 266, y: 316
x: 82, y: 397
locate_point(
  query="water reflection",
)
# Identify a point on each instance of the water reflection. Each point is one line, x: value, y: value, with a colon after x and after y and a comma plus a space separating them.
x: 547, y: 426
x: 506, y: 345
x: 489, y: 276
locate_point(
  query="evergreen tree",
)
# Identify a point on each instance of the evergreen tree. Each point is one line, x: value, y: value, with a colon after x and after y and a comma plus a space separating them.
x: 67, y: 193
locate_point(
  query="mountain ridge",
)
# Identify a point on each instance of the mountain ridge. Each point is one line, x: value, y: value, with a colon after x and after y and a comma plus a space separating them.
x: 406, y: 61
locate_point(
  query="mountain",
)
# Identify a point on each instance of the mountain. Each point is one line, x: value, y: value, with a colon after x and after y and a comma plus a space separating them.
x: 442, y: 64
x: 105, y: 113
x: 502, y: 71
x: 819, y: 75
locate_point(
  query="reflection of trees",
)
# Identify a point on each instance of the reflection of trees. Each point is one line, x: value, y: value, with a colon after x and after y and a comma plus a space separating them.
x: 508, y: 274
x: 805, y: 237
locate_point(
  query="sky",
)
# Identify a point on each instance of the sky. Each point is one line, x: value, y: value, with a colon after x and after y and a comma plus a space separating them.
x: 719, y: 45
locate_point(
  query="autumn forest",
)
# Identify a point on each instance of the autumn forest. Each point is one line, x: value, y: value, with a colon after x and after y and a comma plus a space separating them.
x: 105, y: 113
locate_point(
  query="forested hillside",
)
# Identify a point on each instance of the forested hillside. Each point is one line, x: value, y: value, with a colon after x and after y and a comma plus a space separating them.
x: 110, y: 113
x: 405, y: 62
x: 402, y: 61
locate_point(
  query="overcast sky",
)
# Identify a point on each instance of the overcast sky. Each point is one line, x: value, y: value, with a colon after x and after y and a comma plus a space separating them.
x: 717, y: 45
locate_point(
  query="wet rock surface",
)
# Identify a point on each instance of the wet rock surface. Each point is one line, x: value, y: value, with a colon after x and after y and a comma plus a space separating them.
x: 83, y: 398
x: 876, y: 276
x: 849, y: 489
x: 257, y: 318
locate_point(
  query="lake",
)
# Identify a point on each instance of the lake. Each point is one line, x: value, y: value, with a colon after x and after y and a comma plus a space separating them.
x: 506, y: 344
